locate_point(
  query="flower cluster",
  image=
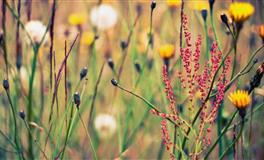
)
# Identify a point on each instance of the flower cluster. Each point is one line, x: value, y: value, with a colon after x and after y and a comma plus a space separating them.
x: 169, y: 91
x: 165, y: 135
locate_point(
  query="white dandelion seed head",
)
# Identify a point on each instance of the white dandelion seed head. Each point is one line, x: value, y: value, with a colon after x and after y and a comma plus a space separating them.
x: 105, y: 125
x: 103, y: 17
x: 36, y: 31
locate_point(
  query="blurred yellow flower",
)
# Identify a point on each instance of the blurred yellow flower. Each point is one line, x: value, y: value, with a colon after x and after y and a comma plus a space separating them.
x: 87, y: 38
x: 240, y: 11
x: 198, y: 5
x: 166, y: 51
x: 261, y: 31
x: 173, y: 3
x: 240, y: 99
x: 77, y: 19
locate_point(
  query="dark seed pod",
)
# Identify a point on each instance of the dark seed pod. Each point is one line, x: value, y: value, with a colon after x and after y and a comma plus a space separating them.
x: 224, y: 19
x: 114, y: 82
x: 6, y: 84
x: 153, y: 5
x: 83, y: 73
x: 77, y: 99
x: 111, y: 63
x: 22, y: 114
x: 137, y: 67
x: 204, y: 14
x: 256, y: 79
x: 211, y: 4
x: 123, y: 45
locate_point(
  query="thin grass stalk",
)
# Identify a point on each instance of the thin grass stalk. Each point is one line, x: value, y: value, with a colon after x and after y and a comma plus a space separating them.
x: 29, y: 6
x: 15, y: 126
x: 4, y: 3
x: 53, y: 13
x: 95, y: 94
x: 214, y: 30
x: 221, y: 135
x: 71, y: 121
x: 207, y: 55
x: 234, y: 142
x: 30, y: 99
x: 58, y: 78
x: 65, y: 77
x: 248, y: 115
x: 87, y: 134
x: 125, y: 51
x: 38, y: 145
x: 219, y: 128
x: 151, y: 106
x: 18, y: 43
x: 67, y: 132
x: 8, y: 139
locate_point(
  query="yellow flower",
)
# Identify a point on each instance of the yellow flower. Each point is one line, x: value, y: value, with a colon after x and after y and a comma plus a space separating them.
x: 166, y: 51
x: 240, y: 11
x: 240, y: 99
x: 173, y: 3
x: 77, y: 19
x: 87, y: 38
x: 261, y: 31
x: 198, y: 5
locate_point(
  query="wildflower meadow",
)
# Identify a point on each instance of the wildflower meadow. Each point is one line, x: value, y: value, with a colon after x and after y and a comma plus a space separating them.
x: 132, y: 79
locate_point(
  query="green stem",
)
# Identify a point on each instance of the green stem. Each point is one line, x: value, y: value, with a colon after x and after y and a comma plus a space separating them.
x: 38, y: 145
x: 219, y: 128
x: 214, y: 30
x: 68, y: 133
x: 234, y: 142
x: 220, y: 136
x: 15, y: 125
x: 207, y: 41
x: 30, y: 98
x: 88, y: 135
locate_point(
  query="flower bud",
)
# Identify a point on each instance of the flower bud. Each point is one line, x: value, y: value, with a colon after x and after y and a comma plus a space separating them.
x: 77, y: 99
x: 22, y: 114
x: 123, y: 45
x: 114, y: 82
x: 204, y: 14
x: 6, y: 84
x: 224, y: 19
x: 83, y: 73
x: 211, y: 4
x: 137, y: 67
x: 153, y: 5
x: 111, y: 63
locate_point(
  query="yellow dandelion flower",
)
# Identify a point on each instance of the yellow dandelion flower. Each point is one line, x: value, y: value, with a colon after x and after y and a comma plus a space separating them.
x: 173, y: 3
x: 87, y: 38
x: 166, y: 51
x: 240, y: 11
x: 198, y: 5
x: 240, y: 99
x: 261, y: 31
x: 77, y: 19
